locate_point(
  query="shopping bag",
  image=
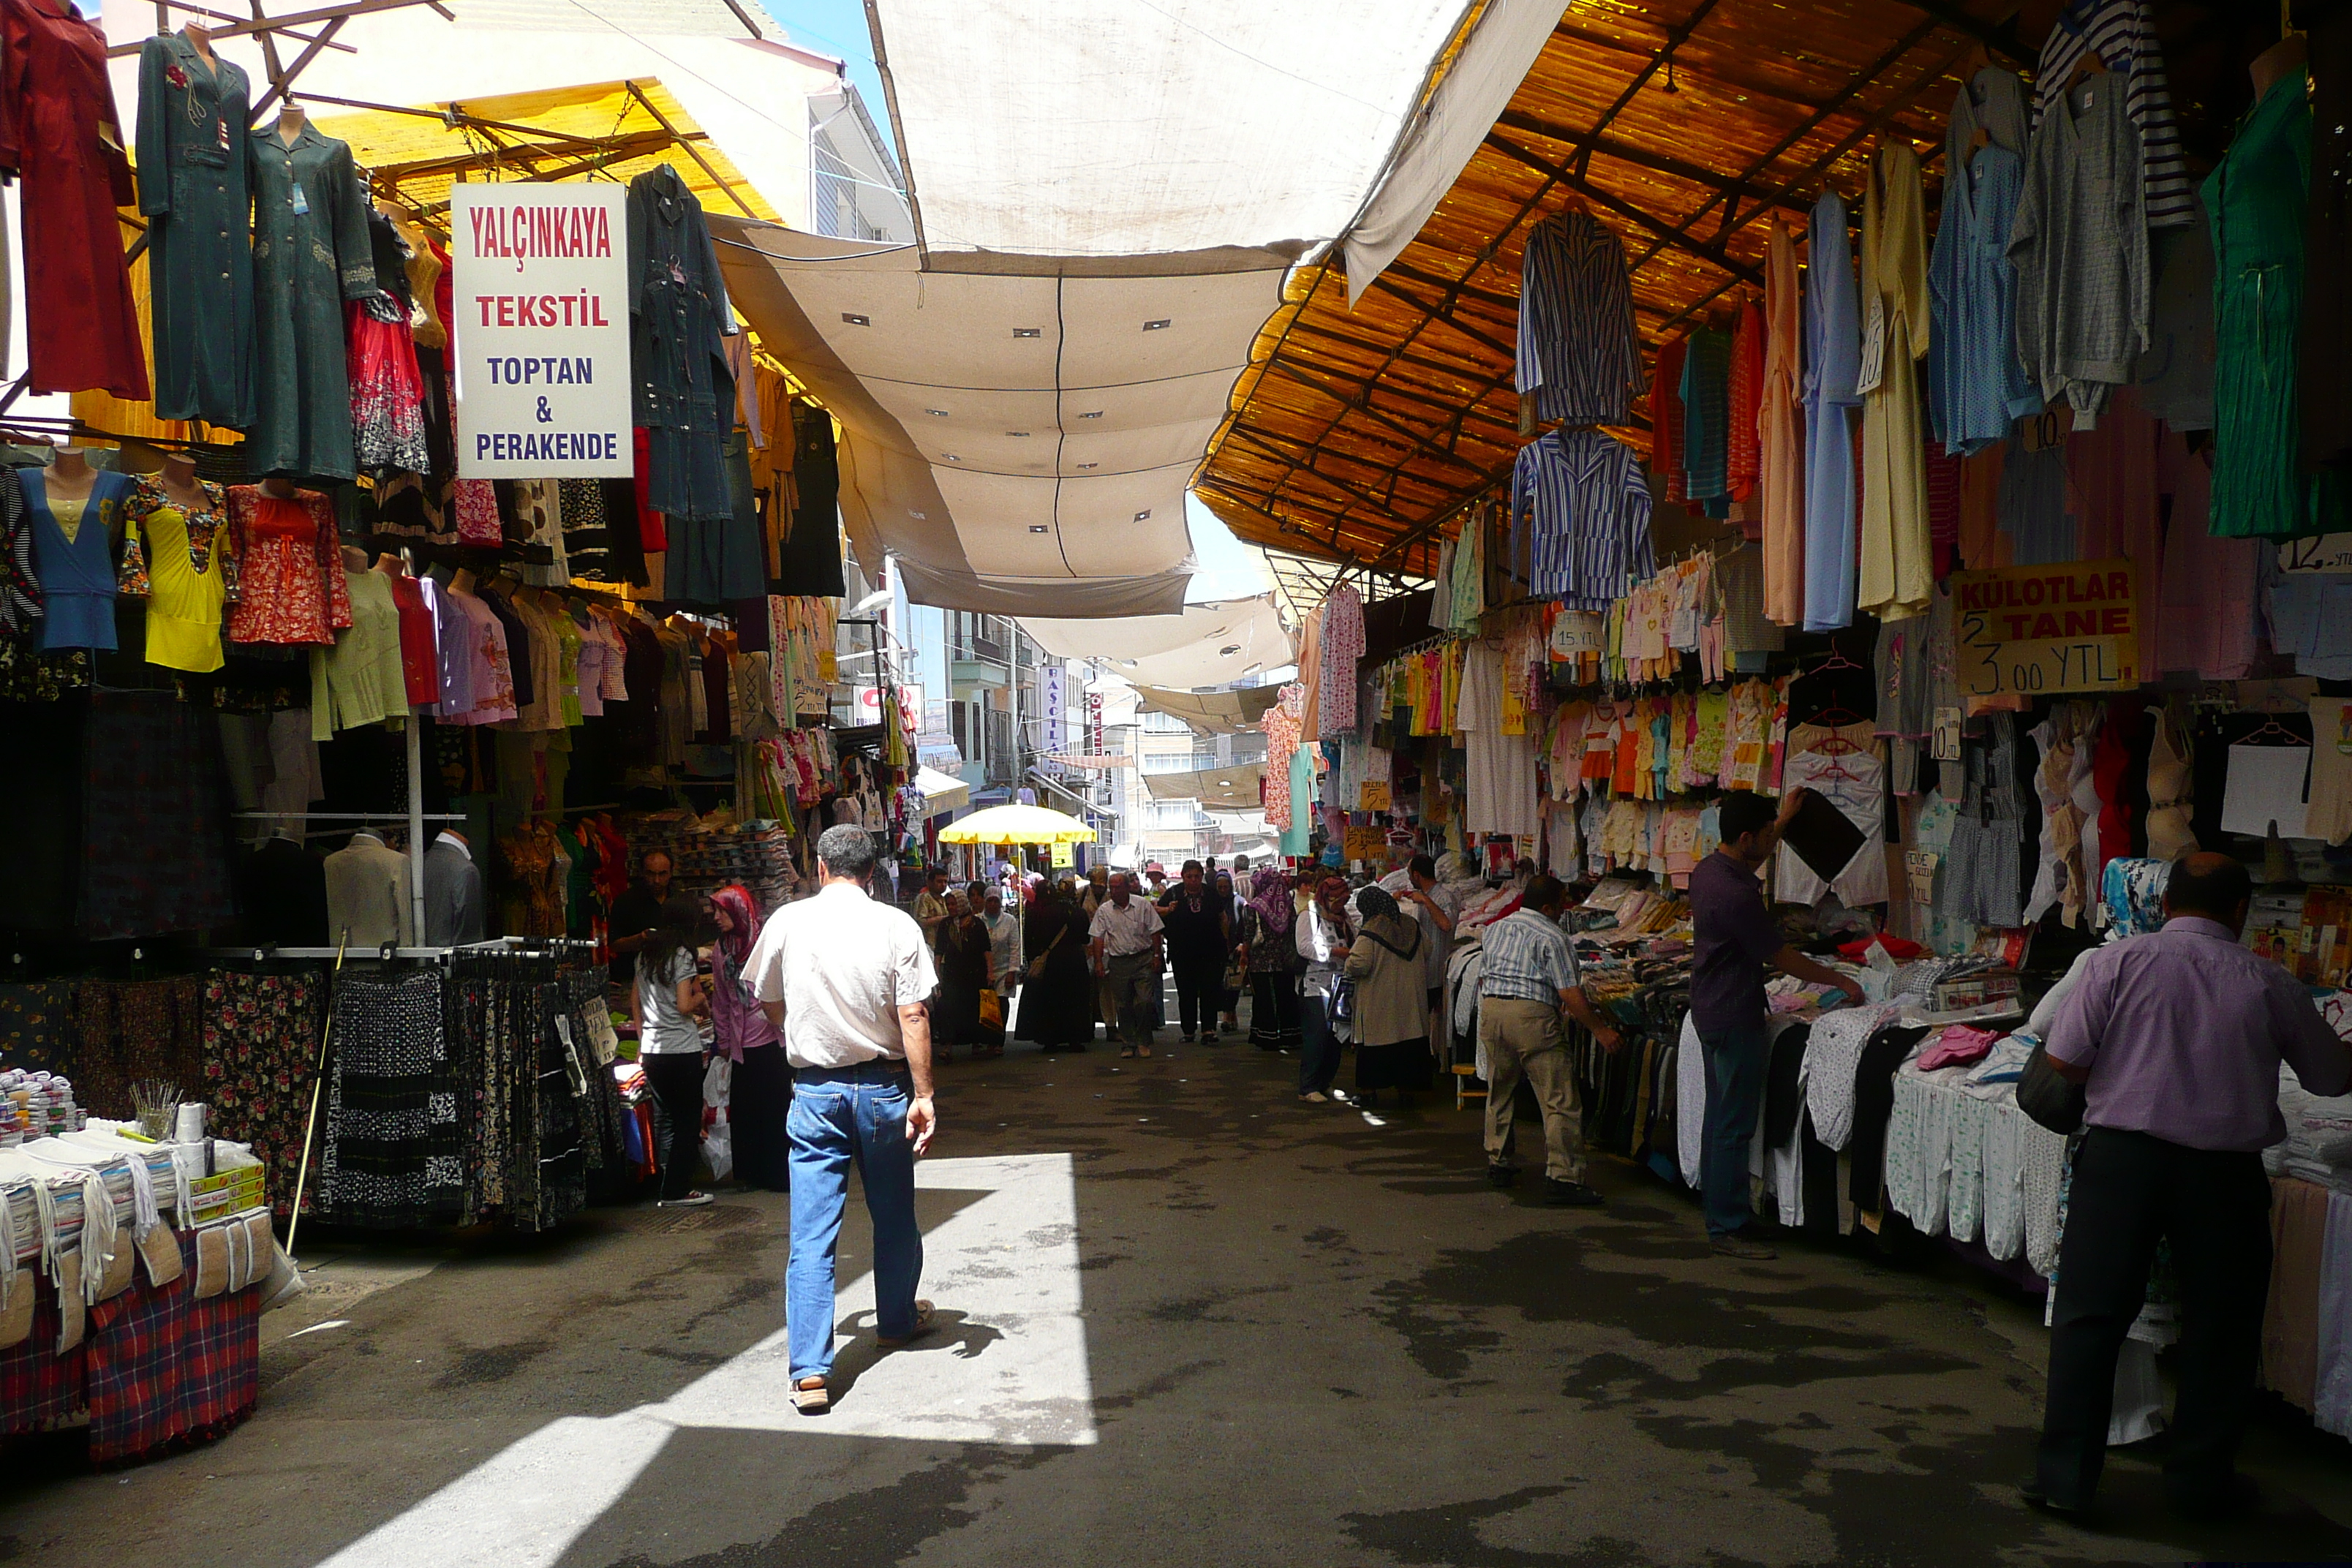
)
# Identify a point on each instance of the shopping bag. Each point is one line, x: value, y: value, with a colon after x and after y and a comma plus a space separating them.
x: 992, y: 1010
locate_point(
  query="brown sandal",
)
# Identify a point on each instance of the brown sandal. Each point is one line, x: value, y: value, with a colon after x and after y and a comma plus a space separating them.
x: 810, y: 1401
x: 926, y: 1319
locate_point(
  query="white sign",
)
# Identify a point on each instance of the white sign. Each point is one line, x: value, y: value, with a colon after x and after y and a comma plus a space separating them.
x: 541, y: 328
x: 1053, y: 687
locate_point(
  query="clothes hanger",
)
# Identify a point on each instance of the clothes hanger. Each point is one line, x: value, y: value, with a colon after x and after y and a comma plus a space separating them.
x: 2272, y: 727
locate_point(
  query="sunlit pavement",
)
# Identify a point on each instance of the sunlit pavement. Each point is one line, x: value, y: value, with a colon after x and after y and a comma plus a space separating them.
x: 1184, y: 1319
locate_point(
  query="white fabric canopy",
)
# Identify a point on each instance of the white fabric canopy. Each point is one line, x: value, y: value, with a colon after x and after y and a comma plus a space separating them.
x: 1232, y: 789
x: 1215, y: 712
x: 1086, y: 128
x: 1211, y: 644
x: 1476, y: 88
x: 941, y: 791
x: 1020, y: 435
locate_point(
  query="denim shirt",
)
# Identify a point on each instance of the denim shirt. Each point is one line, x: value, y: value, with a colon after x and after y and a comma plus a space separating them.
x: 678, y: 310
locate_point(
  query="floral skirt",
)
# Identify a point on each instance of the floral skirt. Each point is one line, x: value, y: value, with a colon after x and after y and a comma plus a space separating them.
x: 387, y: 393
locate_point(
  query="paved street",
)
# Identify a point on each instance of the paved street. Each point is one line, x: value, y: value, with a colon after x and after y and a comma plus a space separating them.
x: 1187, y: 1321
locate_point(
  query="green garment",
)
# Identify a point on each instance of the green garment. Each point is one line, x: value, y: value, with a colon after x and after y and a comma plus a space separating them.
x: 2256, y: 198
x: 192, y: 186
x: 306, y: 263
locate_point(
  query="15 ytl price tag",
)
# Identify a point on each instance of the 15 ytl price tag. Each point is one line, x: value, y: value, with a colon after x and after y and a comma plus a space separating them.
x: 541, y: 331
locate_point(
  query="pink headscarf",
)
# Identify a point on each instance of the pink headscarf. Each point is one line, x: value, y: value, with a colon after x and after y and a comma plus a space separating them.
x: 736, y: 900
x: 1270, y: 897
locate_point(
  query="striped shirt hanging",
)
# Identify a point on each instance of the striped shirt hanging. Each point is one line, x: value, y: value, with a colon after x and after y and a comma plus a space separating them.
x: 2123, y: 34
x: 1580, y: 356
x: 1580, y: 511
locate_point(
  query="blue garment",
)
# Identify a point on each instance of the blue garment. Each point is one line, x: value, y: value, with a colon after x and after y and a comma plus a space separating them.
x: 1579, y: 358
x: 2030, y: 506
x: 1526, y: 958
x: 1736, y: 1060
x: 1977, y: 386
x: 840, y: 1116
x: 1832, y: 365
x: 1705, y: 392
x: 1580, y: 511
x: 2311, y: 618
x: 77, y: 575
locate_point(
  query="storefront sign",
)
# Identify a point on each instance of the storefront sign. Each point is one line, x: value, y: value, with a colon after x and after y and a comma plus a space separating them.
x: 2029, y: 630
x: 1052, y: 693
x: 1094, y: 722
x: 541, y: 331
x: 1061, y: 855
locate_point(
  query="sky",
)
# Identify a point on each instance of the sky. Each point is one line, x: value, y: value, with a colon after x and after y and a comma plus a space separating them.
x: 838, y: 27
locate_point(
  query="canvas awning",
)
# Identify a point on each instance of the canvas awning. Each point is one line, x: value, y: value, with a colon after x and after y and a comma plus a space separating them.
x: 941, y: 791
x: 1073, y: 127
x: 1229, y: 789
x: 1380, y: 403
x: 1214, y: 713
x: 1018, y: 440
x: 1213, y: 643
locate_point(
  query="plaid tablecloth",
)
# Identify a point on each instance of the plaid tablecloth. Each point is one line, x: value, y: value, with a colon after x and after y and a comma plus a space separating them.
x: 157, y: 1369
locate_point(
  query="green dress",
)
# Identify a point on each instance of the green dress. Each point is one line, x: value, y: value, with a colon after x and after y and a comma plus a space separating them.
x: 311, y: 253
x: 2256, y: 199
x: 192, y: 186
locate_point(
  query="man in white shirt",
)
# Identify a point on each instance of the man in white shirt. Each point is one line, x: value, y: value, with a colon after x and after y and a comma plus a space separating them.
x: 1241, y: 875
x: 847, y: 977
x: 1125, y: 940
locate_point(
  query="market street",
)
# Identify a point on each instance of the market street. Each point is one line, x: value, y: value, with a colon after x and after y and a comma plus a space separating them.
x: 1186, y: 1321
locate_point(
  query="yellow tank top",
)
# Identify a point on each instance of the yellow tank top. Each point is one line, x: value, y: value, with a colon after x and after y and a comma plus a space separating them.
x: 184, y: 598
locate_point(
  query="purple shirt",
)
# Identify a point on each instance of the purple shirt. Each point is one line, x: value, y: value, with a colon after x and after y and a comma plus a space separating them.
x: 2183, y: 1031
x: 1734, y: 934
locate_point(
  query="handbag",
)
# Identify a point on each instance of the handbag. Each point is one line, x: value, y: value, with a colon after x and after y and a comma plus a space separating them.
x: 1037, y: 964
x: 2048, y: 1096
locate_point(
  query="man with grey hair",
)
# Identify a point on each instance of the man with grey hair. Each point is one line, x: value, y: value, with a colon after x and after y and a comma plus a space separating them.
x: 847, y: 978
x: 1125, y: 941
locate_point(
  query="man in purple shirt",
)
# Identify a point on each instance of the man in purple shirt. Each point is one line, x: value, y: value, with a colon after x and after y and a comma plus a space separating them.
x: 1735, y: 941
x: 2177, y: 1036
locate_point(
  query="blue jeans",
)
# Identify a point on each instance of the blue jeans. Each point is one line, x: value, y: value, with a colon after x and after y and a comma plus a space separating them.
x: 1735, y: 1094
x: 840, y: 1116
x: 1319, y: 1049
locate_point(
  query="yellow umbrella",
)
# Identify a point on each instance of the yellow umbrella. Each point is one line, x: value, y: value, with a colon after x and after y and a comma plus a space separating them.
x: 1016, y: 825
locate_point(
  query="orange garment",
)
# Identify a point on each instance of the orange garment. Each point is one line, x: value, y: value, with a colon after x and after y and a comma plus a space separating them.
x: 1744, y: 457
x: 1781, y: 439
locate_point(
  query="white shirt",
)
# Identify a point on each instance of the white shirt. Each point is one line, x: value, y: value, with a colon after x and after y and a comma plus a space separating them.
x: 843, y: 965
x: 454, y: 842
x: 1124, y: 932
x: 1003, y: 933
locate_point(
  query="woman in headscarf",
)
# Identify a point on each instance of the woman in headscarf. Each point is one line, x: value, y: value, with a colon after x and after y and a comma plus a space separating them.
x: 1391, y: 1009
x: 1266, y: 946
x: 669, y: 1000
x: 1324, y: 932
x: 962, y: 953
x: 760, y: 1091
x: 1229, y: 994
x: 1057, y: 1002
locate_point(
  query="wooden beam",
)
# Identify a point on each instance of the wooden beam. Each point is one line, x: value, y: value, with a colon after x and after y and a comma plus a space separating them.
x: 693, y: 152
x: 285, y: 79
x: 1622, y: 152
x: 265, y: 25
x: 2000, y: 36
x: 1713, y: 255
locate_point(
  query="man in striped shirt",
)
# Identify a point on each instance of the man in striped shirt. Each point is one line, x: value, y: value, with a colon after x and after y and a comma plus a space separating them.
x: 1527, y: 980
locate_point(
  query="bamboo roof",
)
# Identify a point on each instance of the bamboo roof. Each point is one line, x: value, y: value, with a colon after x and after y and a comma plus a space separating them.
x: 1361, y: 435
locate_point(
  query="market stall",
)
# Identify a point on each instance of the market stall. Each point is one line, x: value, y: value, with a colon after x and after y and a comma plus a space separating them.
x: 1837, y: 499
x: 337, y: 622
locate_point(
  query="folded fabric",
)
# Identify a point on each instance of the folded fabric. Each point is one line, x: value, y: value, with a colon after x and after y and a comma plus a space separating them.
x: 1896, y: 948
x: 1957, y: 1046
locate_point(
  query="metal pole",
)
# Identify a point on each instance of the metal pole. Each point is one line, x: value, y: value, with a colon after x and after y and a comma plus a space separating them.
x: 317, y: 1083
x: 416, y: 825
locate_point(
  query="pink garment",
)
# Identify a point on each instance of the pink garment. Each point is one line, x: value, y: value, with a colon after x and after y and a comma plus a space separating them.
x: 486, y: 660
x: 1957, y: 1045
x: 2111, y: 479
x: 2208, y: 597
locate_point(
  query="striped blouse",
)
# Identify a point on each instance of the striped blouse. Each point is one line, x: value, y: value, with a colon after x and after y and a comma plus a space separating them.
x: 2125, y: 36
x: 1580, y: 510
x: 1580, y: 356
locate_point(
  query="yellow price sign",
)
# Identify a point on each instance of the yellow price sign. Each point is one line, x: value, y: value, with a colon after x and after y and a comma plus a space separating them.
x: 2025, y: 631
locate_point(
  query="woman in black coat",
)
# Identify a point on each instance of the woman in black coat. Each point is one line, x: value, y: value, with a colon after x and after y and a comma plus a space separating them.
x: 1057, y: 1006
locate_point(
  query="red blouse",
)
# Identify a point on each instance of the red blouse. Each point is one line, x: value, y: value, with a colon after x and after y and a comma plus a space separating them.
x: 290, y: 580
x: 420, y: 653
